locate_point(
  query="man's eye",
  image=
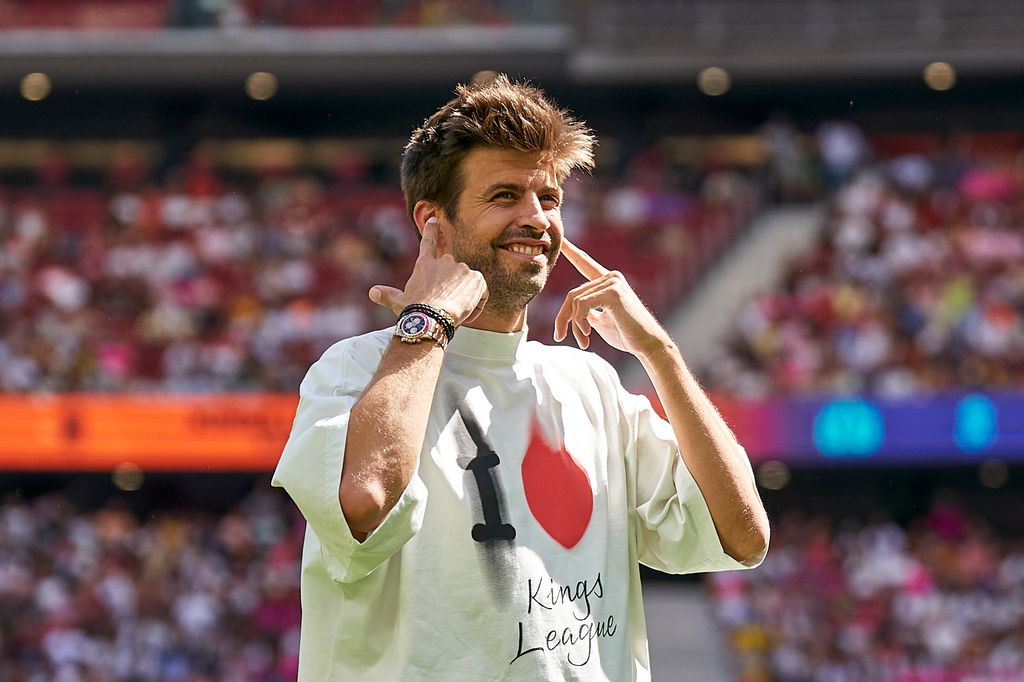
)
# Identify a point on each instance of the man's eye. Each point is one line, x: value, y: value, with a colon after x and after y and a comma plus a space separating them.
x: 550, y: 199
x: 505, y: 195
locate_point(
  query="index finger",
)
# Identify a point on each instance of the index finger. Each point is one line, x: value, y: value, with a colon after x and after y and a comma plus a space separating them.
x: 582, y: 261
x: 429, y: 238
x: 443, y: 243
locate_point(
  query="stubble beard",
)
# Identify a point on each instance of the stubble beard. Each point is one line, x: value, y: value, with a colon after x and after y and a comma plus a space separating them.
x: 509, y: 291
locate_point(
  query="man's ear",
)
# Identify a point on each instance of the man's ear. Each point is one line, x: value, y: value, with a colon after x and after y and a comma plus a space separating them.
x: 423, y: 211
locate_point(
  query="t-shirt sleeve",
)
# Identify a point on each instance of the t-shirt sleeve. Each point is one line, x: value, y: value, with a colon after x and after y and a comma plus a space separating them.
x: 310, y: 466
x: 673, y: 526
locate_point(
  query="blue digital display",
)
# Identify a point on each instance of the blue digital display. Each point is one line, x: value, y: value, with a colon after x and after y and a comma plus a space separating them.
x: 848, y: 428
x: 925, y: 430
x: 976, y: 427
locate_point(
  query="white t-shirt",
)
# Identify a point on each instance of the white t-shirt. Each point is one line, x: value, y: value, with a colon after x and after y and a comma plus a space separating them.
x: 513, y: 553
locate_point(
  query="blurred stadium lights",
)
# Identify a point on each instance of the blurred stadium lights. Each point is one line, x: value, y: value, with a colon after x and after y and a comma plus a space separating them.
x: 714, y: 81
x: 261, y: 85
x: 773, y: 475
x: 993, y: 473
x: 939, y: 76
x: 483, y: 77
x: 127, y: 476
x: 36, y: 86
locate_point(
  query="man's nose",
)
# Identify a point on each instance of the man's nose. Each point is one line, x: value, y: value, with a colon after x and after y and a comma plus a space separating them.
x: 533, y: 214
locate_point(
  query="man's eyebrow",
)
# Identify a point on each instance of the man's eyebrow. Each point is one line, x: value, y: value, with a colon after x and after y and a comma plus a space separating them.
x: 516, y: 187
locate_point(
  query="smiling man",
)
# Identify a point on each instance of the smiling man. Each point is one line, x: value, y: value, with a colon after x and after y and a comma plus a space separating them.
x: 478, y: 504
x: 516, y: 261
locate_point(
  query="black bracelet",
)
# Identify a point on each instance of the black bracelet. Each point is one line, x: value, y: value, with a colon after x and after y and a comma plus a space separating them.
x: 443, y: 317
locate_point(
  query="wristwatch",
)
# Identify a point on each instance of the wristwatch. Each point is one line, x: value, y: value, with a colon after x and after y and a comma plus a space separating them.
x: 415, y: 326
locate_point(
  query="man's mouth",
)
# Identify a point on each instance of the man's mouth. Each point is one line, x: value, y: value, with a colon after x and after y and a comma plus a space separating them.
x: 534, y: 252
x: 525, y: 250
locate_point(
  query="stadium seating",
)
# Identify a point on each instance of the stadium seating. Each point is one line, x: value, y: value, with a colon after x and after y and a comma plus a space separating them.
x: 937, y: 599
x: 106, y: 14
x: 108, y: 594
x: 101, y: 595
x: 915, y: 288
x: 318, y: 14
x: 210, y: 281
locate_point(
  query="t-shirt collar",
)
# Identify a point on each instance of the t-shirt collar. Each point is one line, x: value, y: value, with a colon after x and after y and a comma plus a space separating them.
x: 485, y: 345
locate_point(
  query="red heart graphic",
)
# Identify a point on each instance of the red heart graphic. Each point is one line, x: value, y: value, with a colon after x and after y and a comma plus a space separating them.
x: 557, y: 490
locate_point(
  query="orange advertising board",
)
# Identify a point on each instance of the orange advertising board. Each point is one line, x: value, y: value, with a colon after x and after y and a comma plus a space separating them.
x: 156, y: 432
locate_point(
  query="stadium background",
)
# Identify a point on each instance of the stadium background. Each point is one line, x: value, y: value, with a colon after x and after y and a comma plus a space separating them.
x: 823, y: 200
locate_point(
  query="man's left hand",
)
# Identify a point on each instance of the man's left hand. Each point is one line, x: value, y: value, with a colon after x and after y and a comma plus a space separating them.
x: 607, y: 303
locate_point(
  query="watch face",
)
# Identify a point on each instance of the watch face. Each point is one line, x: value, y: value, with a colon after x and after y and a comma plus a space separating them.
x: 414, y: 324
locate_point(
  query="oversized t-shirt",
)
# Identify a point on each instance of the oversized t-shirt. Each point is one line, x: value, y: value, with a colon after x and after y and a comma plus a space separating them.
x: 513, y: 553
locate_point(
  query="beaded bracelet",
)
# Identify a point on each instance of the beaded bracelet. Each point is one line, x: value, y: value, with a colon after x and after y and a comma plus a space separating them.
x: 443, y: 318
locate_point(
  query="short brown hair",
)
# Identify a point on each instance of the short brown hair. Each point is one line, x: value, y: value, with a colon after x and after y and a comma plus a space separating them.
x: 499, y: 114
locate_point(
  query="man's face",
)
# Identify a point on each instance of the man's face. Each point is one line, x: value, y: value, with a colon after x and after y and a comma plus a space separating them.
x: 509, y: 225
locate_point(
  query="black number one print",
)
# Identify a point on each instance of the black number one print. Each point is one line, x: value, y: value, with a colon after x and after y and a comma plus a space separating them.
x: 493, y: 527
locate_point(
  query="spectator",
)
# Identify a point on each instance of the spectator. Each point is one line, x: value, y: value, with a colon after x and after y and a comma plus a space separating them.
x: 103, y: 595
x: 198, y: 284
x: 937, y: 599
x: 916, y: 287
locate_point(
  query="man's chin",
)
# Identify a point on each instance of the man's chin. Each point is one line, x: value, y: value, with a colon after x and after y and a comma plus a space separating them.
x: 513, y: 293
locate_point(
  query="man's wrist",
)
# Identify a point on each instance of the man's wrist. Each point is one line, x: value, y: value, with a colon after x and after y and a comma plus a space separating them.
x: 658, y: 350
x: 442, y: 316
x: 413, y: 350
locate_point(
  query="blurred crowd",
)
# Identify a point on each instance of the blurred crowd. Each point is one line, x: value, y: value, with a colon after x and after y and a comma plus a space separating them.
x: 205, y: 281
x: 916, y: 285
x: 107, y: 595
x: 103, y: 596
x: 195, y: 279
x: 938, y: 600
x: 236, y: 14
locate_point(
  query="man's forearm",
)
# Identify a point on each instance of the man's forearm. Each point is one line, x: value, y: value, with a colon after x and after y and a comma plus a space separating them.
x: 712, y: 454
x: 385, y: 433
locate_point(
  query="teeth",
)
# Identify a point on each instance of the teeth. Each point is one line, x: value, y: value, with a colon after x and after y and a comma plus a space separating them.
x: 528, y: 250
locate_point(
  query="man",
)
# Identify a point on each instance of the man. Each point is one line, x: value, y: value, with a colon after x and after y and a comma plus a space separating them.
x: 477, y: 504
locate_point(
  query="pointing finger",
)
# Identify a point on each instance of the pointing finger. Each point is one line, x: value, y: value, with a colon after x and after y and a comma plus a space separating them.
x: 582, y: 261
x: 443, y: 241
x: 431, y: 232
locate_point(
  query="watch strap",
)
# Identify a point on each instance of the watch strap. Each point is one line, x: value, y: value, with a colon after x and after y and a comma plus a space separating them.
x: 439, y: 314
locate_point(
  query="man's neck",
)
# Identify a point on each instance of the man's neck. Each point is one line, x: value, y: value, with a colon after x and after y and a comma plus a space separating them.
x: 497, y: 322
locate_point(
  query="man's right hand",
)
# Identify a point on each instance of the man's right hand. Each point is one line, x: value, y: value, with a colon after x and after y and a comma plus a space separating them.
x: 437, y: 279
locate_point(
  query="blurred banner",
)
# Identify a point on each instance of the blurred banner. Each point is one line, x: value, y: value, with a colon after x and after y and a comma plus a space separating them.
x: 168, y: 433
x: 247, y: 432
x: 944, y: 429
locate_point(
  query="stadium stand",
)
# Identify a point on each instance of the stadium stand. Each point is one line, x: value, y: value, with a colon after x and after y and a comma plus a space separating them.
x: 156, y: 14
x: 204, y: 283
x: 178, y: 595
x: 916, y: 286
x: 52, y: 14
x: 935, y: 598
